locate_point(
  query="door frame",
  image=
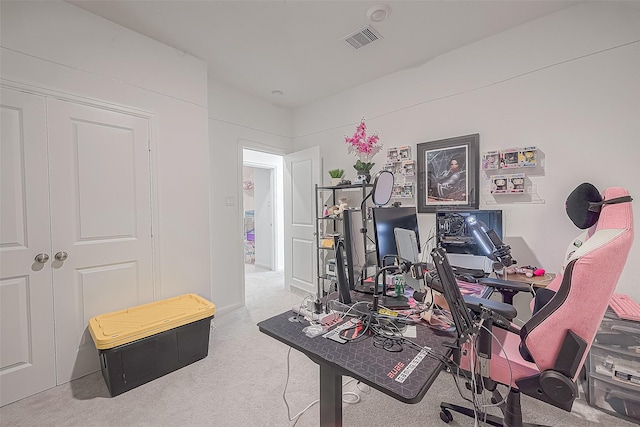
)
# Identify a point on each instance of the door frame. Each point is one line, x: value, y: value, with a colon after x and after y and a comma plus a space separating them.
x: 254, y: 146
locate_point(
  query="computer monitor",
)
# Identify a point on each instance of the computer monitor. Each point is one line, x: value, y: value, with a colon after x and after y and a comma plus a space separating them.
x: 453, y: 235
x: 344, y: 295
x: 408, y: 250
x: 385, y: 221
x: 354, y: 241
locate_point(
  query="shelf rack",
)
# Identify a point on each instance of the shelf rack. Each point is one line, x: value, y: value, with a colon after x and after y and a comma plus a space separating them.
x: 334, y: 222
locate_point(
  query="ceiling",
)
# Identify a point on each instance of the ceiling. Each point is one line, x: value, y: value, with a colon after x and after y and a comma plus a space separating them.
x: 293, y: 52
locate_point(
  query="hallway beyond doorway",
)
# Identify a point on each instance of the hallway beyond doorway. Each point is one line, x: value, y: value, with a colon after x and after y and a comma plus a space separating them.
x: 262, y: 209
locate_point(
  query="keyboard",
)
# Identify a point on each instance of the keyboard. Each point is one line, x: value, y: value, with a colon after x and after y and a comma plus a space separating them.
x: 625, y: 307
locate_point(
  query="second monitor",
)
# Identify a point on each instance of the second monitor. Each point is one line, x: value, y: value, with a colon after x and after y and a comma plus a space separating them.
x: 385, y: 221
x: 453, y: 234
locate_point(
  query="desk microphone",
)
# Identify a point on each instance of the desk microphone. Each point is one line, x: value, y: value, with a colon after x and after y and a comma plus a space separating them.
x: 492, y: 246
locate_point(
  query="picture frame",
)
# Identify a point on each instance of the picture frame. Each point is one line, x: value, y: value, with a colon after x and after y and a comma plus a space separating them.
x: 448, y: 173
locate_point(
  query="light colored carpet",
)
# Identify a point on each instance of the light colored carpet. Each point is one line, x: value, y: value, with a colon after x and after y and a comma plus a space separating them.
x: 240, y: 383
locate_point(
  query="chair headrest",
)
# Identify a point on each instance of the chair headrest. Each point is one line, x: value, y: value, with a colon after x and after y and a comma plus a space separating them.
x: 585, y: 202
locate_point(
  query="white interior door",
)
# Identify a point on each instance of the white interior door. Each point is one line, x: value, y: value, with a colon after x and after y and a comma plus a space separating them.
x: 101, y: 216
x: 26, y: 298
x: 263, y: 217
x: 302, y: 173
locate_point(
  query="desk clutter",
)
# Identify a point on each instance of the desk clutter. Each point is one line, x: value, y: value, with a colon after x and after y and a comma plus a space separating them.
x: 345, y: 322
x: 542, y: 358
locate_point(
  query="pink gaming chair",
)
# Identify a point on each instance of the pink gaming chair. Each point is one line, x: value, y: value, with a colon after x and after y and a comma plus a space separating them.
x: 544, y: 357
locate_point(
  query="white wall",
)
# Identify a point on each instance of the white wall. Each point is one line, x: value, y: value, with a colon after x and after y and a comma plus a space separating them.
x: 567, y: 83
x: 60, y: 49
x: 236, y: 120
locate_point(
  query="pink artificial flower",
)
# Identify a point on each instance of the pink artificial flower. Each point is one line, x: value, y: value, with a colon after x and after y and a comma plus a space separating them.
x: 364, y: 146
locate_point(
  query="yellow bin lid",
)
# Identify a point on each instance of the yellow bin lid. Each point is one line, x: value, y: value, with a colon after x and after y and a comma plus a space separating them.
x: 121, y: 327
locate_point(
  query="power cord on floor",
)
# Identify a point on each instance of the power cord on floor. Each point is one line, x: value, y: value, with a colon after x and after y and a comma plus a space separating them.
x: 296, y: 417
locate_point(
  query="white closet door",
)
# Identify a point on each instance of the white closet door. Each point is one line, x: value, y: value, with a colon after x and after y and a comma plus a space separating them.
x: 26, y: 297
x: 101, y: 216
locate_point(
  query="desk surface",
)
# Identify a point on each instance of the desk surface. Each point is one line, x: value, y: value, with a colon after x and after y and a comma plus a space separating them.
x: 537, y: 281
x: 374, y: 366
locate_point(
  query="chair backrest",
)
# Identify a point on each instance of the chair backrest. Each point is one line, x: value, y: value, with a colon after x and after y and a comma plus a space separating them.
x: 584, y: 289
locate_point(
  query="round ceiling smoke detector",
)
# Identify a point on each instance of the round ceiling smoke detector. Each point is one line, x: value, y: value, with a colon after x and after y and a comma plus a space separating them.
x: 379, y: 13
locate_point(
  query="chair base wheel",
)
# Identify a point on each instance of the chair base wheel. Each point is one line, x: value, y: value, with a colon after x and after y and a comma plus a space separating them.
x: 445, y: 415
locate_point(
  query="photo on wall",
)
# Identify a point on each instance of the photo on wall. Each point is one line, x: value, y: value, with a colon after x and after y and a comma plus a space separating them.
x: 448, y: 173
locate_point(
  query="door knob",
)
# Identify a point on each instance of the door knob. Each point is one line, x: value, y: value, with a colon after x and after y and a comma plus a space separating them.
x: 61, y: 256
x: 42, y: 258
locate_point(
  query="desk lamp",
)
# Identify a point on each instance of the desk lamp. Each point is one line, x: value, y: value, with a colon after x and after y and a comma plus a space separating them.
x: 380, y: 195
x: 381, y: 191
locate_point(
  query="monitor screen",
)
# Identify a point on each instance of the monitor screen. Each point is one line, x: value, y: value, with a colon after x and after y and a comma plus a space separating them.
x: 452, y: 231
x: 344, y: 296
x: 385, y: 221
x: 354, y: 247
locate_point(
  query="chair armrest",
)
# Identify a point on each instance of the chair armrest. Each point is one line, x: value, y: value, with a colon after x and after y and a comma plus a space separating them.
x: 505, y: 310
x: 506, y: 285
x: 507, y: 288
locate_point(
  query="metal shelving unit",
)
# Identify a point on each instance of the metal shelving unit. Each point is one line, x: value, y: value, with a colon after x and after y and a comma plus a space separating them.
x: 328, y: 226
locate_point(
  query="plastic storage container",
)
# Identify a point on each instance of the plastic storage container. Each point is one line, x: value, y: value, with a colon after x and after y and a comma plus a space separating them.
x: 615, y: 397
x: 614, y: 368
x: 143, y: 343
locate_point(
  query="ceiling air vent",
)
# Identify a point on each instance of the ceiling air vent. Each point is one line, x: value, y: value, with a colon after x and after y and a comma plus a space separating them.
x: 363, y: 37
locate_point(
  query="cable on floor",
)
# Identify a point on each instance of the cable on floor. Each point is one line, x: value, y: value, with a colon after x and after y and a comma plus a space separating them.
x: 296, y: 417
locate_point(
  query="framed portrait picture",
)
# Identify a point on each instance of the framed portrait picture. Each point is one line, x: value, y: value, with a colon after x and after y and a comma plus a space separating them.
x: 448, y: 173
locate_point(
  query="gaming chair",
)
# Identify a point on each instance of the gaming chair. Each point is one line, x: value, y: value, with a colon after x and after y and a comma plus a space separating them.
x: 543, y: 358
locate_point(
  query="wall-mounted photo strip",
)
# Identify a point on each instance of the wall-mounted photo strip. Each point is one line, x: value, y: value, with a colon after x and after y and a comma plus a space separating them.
x: 408, y: 168
x: 404, y: 152
x: 393, y: 155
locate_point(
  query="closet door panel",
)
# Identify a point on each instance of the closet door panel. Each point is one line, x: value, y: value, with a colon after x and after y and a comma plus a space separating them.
x: 101, y: 215
x: 26, y: 297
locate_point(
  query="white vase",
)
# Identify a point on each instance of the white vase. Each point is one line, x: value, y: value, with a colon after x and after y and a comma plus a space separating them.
x: 335, y: 181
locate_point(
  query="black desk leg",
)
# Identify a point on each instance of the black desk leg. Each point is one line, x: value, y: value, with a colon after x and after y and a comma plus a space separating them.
x: 330, y: 397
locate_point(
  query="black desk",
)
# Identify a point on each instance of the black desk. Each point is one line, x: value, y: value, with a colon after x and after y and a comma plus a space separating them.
x: 373, y: 366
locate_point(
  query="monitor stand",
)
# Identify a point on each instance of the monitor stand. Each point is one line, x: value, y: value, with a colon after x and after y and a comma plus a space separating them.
x: 367, y: 288
x: 394, y: 303
x: 390, y: 302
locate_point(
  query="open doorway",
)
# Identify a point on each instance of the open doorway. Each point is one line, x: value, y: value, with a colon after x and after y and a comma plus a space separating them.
x: 263, y: 211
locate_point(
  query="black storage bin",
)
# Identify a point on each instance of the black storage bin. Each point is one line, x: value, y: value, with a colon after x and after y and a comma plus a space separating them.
x: 143, y: 343
x: 131, y: 365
